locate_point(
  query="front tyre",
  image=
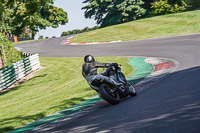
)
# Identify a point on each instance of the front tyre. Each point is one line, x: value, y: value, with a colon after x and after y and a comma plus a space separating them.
x: 132, y: 91
x: 106, y: 94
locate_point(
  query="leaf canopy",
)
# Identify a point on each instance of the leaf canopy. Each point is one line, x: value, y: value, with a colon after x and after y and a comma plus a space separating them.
x: 110, y: 12
x: 16, y: 15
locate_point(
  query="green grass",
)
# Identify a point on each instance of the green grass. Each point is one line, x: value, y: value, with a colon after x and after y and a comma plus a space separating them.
x: 160, y: 26
x: 58, y: 86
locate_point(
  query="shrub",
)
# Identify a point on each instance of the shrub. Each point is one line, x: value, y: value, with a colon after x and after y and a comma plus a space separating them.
x: 40, y: 37
x: 77, y: 31
x: 162, y: 8
x: 11, y: 54
x: 193, y: 4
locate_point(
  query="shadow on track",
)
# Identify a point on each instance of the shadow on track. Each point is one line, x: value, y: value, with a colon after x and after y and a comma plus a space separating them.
x: 171, y: 105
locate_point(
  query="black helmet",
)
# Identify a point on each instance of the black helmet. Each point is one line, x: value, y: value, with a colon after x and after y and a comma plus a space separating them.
x: 88, y: 58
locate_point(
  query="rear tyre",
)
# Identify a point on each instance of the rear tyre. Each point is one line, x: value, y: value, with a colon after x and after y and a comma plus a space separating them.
x: 132, y: 91
x: 105, y: 93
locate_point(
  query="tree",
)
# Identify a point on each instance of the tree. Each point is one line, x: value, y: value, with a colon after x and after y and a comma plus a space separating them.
x: 29, y: 4
x: 193, y: 4
x: 147, y: 4
x: 35, y: 14
x: 7, y: 19
x: 41, y: 37
x: 110, y: 12
x: 86, y: 29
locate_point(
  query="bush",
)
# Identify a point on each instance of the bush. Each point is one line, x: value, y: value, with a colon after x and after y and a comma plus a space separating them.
x: 12, y: 55
x: 193, y: 4
x: 163, y: 8
x: 76, y: 31
x: 40, y: 37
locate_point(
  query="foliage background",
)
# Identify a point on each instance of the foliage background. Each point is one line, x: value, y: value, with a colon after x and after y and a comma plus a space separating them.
x: 76, y: 31
x: 110, y: 12
x: 12, y: 55
x: 24, y: 16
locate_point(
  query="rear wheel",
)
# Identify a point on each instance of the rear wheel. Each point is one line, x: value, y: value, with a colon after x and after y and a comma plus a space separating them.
x: 108, y: 95
x: 132, y: 91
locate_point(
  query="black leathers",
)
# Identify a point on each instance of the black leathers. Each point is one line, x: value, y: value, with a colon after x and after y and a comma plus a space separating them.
x: 89, y: 69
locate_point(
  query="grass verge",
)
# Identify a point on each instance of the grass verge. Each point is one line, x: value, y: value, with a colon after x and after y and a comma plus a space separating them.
x: 160, y: 26
x: 58, y: 86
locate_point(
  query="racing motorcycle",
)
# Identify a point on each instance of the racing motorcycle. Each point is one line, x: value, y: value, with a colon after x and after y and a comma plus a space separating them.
x: 108, y: 89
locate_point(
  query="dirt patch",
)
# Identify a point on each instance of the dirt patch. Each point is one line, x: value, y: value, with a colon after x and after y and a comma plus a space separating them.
x: 92, y: 33
x: 22, y: 80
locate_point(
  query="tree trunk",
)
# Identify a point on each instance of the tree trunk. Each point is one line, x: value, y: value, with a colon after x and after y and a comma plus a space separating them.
x: 3, y: 55
x: 33, y: 35
x: 27, y: 33
x: 1, y: 63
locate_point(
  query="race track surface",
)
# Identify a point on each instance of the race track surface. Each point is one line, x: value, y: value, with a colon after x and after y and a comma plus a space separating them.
x: 170, y: 105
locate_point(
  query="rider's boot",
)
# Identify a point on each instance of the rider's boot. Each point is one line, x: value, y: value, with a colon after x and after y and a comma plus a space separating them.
x: 112, y: 80
x: 109, y: 82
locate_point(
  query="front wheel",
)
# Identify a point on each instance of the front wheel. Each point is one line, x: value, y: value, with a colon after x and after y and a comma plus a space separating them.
x: 106, y: 94
x: 132, y: 91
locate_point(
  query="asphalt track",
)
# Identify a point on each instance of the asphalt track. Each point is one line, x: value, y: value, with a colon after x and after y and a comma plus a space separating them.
x: 170, y: 105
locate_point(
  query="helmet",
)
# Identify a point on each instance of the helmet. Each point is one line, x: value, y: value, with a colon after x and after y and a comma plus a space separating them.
x: 89, y: 58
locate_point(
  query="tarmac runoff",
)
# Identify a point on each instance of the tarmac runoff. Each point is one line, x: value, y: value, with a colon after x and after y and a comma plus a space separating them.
x: 148, y: 71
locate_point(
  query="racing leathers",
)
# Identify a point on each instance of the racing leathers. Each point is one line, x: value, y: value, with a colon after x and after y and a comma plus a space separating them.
x: 89, y: 72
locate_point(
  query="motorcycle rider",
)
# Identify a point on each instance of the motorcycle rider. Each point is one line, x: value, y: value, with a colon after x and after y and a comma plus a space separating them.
x: 89, y: 71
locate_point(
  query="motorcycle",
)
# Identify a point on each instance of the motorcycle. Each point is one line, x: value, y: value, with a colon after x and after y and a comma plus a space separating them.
x: 108, y: 89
